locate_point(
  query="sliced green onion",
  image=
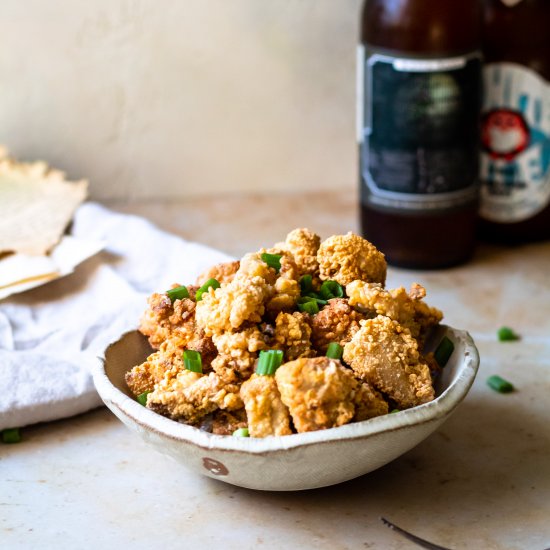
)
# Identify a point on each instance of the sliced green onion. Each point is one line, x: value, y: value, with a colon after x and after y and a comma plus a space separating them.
x: 192, y: 360
x: 394, y: 411
x: 499, y: 384
x: 11, y: 435
x: 306, y: 284
x: 506, y: 334
x: 178, y: 293
x: 241, y: 432
x: 270, y: 360
x: 335, y: 350
x: 312, y: 297
x: 444, y: 351
x: 272, y: 260
x: 211, y: 283
x: 142, y: 398
x: 331, y: 289
x: 308, y: 306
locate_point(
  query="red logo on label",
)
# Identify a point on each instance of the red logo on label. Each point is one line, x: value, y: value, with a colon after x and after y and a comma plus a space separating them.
x: 504, y: 133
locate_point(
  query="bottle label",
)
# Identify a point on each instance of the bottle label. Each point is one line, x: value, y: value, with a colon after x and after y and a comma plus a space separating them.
x: 418, y: 130
x: 515, y: 136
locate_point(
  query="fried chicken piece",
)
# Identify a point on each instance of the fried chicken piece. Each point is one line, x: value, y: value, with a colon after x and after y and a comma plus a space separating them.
x: 266, y: 413
x: 303, y: 244
x: 346, y: 258
x: 143, y: 377
x: 293, y: 335
x: 225, y: 422
x: 238, y: 352
x: 407, y: 309
x: 242, y: 300
x: 385, y: 355
x: 190, y: 396
x: 318, y: 392
x: 336, y: 322
x: 205, y: 346
x: 368, y: 402
x: 286, y: 289
x: 223, y: 273
x: 165, y: 320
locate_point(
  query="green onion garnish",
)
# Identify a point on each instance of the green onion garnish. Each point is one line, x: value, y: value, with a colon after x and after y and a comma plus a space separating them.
x: 444, y: 351
x: 241, y: 432
x: 309, y: 305
x: 394, y: 411
x: 211, y: 283
x: 272, y: 260
x: 335, y: 350
x: 192, y: 360
x: 306, y: 284
x: 11, y: 435
x: 312, y: 297
x: 142, y: 398
x: 270, y: 360
x: 499, y: 384
x: 178, y: 293
x: 506, y: 334
x: 331, y: 289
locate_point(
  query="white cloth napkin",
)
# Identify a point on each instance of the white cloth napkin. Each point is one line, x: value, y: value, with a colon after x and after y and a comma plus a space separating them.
x: 51, y: 335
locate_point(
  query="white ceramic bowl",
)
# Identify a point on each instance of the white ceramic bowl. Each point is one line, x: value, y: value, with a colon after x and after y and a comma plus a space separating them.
x: 291, y: 462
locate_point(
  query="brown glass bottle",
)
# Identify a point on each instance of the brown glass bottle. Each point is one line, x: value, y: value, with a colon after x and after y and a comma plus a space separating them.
x: 515, y: 167
x: 419, y: 82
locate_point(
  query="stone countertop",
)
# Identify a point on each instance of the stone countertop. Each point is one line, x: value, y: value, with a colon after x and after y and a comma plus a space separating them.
x: 482, y: 481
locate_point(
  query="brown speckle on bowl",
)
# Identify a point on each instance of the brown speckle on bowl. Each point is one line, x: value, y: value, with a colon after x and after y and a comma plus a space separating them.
x: 215, y: 466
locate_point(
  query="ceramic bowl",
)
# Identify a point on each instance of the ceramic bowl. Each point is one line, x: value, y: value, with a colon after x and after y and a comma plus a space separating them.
x: 291, y: 462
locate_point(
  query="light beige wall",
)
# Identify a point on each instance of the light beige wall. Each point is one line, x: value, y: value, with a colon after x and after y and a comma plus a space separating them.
x: 182, y: 97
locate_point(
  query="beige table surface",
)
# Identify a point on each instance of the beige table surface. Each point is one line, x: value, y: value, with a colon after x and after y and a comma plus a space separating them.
x: 482, y: 481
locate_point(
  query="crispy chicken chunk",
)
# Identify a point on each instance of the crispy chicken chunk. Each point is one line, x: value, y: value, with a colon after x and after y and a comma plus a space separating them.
x: 368, y: 402
x: 407, y: 309
x: 238, y: 352
x: 165, y: 320
x: 303, y: 244
x: 143, y: 377
x: 385, y: 355
x: 223, y: 273
x: 319, y: 392
x: 286, y: 289
x: 241, y: 300
x: 190, y: 396
x: 293, y: 335
x: 336, y: 322
x: 225, y: 422
x: 266, y: 413
x: 345, y: 258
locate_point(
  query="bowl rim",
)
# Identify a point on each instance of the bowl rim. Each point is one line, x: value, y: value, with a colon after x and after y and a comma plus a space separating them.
x: 435, y: 410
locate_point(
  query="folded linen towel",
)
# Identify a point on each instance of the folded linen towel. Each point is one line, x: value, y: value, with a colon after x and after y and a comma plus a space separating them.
x: 51, y: 335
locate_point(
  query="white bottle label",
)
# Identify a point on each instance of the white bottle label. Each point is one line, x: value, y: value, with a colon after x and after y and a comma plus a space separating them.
x: 515, y: 158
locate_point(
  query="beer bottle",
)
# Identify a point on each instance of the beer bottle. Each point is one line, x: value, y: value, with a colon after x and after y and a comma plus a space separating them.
x: 419, y: 100
x: 515, y: 135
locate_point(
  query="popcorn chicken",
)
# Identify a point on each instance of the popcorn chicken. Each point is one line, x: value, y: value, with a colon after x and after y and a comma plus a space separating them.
x: 336, y: 322
x: 254, y: 309
x: 143, y: 377
x: 407, y: 309
x: 346, y: 258
x: 223, y: 273
x: 190, y: 396
x: 303, y: 244
x: 385, y: 355
x: 243, y: 299
x: 318, y: 392
x: 292, y: 334
x: 265, y: 412
x: 165, y: 320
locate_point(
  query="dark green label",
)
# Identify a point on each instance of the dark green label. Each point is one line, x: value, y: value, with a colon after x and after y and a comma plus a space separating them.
x: 420, y: 131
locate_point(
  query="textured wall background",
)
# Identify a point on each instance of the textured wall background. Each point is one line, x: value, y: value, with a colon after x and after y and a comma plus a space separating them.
x: 182, y: 97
